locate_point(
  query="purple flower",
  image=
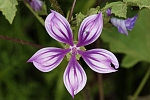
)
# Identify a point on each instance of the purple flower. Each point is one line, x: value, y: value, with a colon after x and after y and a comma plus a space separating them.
x: 99, y: 60
x: 108, y: 12
x: 129, y: 22
x: 35, y: 4
x: 124, y: 25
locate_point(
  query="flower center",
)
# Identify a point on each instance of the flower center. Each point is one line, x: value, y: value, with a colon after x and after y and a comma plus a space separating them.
x: 74, y: 50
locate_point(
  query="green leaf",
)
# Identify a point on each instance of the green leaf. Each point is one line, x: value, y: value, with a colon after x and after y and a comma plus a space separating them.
x: 136, y: 45
x: 129, y: 61
x: 93, y: 11
x: 140, y: 3
x: 118, y: 8
x: 79, y: 18
x: 8, y: 8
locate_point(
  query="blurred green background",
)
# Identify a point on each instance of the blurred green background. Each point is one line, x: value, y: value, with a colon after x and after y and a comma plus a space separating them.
x: 20, y: 80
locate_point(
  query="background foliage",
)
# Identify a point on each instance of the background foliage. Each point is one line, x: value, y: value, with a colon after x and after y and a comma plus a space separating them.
x: 22, y: 81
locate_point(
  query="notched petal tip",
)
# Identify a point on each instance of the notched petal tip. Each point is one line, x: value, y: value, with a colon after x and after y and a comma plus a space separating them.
x: 100, y: 60
x: 90, y: 29
x: 74, y: 77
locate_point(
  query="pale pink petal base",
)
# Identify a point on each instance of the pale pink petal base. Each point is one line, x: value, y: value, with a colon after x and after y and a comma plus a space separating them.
x: 47, y: 59
x: 74, y: 77
x: 100, y: 60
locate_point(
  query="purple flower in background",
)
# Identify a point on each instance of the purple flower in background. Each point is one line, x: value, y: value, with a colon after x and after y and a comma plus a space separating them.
x: 108, y: 12
x: 124, y: 25
x: 99, y: 60
x: 129, y: 22
x: 35, y: 4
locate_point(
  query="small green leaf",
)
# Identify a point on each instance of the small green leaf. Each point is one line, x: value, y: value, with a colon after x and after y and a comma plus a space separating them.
x: 8, y: 8
x: 79, y: 18
x: 136, y: 45
x: 118, y: 8
x: 93, y: 11
x: 140, y: 3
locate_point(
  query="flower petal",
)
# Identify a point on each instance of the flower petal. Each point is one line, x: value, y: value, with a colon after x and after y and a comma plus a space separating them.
x: 74, y: 77
x: 129, y: 22
x: 59, y: 28
x: 90, y: 29
x: 120, y: 24
x: 47, y: 59
x: 36, y: 4
x: 100, y: 60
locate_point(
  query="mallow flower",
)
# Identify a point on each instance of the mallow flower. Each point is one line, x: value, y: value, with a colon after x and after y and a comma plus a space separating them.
x: 99, y: 60
x: 122, y: 25
x: 35, y: 4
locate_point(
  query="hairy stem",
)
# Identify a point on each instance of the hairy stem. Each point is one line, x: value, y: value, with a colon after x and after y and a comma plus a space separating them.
x: 56, y: 6
x: 85, y: 91
x: 20, y: 41
x: 71, y: 11
x: 100, y: 82
x: 86, y: 94
x: 34, y: 13
x: 100, y: 78
x: 140, y: 87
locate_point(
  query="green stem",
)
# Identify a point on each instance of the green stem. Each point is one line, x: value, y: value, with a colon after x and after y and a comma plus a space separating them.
x: 20, y: 41
x: 71, y: 12
x: 76, y: 34
x: 86, y: 94
x: 100, y: 77
x: 140, y: 87
x: 69, y: 19
x: 34, y: 13
x: 100, y: 82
